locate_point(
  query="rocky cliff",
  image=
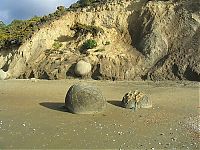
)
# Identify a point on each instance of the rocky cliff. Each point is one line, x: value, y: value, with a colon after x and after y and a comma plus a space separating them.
x: 136, y: 39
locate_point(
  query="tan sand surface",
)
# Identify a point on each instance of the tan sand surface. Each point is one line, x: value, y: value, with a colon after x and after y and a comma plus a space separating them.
x: 32, y: 116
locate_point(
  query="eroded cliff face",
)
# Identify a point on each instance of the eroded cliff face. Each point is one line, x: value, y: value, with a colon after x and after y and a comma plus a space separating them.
x: 171, y: 40
x: 136, y: 39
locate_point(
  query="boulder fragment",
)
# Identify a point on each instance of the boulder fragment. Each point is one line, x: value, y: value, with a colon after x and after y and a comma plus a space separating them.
x: 135, y: 100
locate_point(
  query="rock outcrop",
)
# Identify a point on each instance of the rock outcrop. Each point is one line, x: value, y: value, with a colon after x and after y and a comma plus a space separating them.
x: 3, y: 75
x: 170, y: 40
x: 154, y: 40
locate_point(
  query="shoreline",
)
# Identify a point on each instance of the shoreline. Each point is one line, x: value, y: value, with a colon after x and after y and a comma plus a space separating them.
x: 32, y: 116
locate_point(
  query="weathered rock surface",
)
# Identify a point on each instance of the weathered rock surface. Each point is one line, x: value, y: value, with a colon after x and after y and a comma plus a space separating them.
x: 170, y: 41
x: 3, y: 75
x: 82, y: 98
x: 156, y: 40
x: 135, y: 100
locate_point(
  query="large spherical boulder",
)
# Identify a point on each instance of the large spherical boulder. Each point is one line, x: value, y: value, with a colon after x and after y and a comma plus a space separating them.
x: 83, y: 98
x: 82, y: 68
x: 3, y: 75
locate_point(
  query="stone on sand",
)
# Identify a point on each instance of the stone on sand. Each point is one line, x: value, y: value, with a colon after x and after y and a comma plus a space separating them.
x: 135, y: 100
x: 83, y: 98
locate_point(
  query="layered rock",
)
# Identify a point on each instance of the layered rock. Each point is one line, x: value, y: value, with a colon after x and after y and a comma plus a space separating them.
x: 170, y: 40
x: 154, y: 40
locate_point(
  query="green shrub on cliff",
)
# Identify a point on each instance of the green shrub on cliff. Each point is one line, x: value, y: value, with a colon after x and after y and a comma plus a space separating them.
x: 81, y: 29
x: 84, y: 3
x: 2, y: 25
x: 106, y: 43
x: 56, y: 45
x: 89, y: 44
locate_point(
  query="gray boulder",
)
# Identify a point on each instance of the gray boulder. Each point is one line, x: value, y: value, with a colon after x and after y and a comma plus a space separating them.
x: 3, y: 75
x: 83, y: 98
x: 135, y: 100
x: 82, y: 68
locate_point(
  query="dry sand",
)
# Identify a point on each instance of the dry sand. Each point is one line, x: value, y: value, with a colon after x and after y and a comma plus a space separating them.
x: 32, y: 116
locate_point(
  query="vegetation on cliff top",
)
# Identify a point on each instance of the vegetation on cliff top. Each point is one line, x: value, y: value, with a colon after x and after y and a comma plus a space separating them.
x: 84, y: 3
x: 18, y: 31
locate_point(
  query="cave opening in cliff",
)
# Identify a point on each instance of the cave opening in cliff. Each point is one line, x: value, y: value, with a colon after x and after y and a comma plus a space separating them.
x: 96, y: 74
x: 45, y: 76
x: 191, y: 75
x: 175, y: 71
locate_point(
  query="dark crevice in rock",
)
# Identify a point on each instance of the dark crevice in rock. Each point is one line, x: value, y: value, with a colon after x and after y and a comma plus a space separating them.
x: 191, y: 75
x: 96, y: 74
x: 175, y: 70
x: 114, y: 78
x: 44, y: 75
x: 162, y: 61
x: 5, y: 67
x: 135, y: 25
x: 32, y: 75
x: 144, y: 77
x: 70, y: 72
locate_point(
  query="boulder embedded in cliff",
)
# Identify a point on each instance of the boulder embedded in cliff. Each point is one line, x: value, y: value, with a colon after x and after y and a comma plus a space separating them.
x: 82, y: 68
x: 3, y: 75
x: 149, y: 39
x: 83, y: 98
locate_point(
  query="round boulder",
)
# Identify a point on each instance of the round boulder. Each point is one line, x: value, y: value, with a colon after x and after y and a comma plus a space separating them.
x: 83, y: 98
x: 82, y: 68
x: 3, y: 75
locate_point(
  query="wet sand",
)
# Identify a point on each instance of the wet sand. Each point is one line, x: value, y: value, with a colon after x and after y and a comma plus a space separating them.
x: 32, y: 116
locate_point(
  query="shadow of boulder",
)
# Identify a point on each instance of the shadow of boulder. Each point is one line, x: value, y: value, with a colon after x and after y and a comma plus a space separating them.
x: 115, y: 103
x: 55, y: 106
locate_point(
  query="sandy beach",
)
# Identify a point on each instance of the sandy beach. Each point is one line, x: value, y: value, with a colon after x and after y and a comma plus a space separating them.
x: 32, y: 116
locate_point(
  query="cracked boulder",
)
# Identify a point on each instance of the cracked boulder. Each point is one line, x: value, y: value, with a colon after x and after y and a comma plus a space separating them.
x: 135, y: 100
x: 83, y: 98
